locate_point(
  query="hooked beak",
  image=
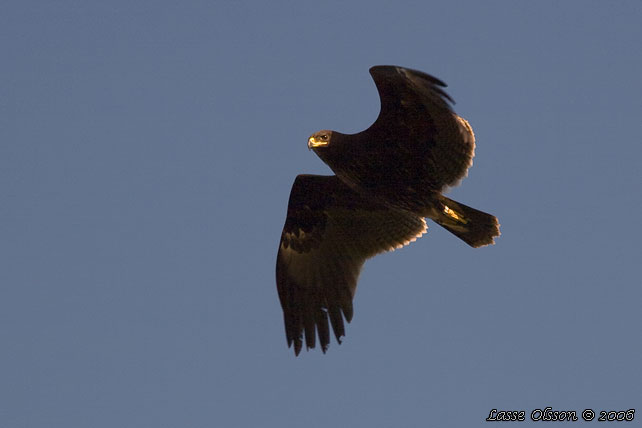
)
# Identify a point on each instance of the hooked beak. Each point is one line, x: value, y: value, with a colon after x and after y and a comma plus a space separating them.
x: 313, y: 142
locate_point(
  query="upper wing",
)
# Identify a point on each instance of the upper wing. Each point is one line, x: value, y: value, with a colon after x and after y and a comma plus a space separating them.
x: 329, y: 233
x: 417, y: 129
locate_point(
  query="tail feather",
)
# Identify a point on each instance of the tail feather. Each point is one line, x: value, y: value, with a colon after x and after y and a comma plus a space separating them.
x: 474, y: 227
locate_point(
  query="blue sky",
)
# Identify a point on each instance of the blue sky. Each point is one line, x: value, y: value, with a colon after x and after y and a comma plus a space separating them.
x: 147, y: 152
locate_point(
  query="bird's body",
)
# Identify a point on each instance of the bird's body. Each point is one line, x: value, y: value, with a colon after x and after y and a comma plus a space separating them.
x: 388, y: 178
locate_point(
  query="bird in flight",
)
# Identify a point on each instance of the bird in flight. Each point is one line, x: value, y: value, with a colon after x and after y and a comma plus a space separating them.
x: 389, y: 178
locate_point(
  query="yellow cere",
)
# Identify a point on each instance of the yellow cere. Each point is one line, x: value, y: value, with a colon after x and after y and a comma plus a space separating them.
x: 454, y: 215
x: 313, y: 142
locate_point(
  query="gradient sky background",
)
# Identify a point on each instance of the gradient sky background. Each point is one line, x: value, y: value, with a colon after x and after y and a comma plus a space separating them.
x: 147, y: 150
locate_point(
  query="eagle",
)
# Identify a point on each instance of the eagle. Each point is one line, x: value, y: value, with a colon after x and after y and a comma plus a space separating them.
x: 387, y: 180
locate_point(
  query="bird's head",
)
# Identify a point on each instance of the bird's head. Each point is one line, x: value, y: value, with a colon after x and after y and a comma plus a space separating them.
x: 319, y: 139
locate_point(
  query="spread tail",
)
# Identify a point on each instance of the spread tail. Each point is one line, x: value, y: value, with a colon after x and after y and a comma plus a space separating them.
x: 474, y: 227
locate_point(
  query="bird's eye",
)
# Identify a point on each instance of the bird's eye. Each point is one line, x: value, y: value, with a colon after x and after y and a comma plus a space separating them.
x: 324, y: 137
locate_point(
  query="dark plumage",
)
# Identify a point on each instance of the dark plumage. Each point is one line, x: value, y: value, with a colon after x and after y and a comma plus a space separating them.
x: 388, y: 178
x: 329, y: 232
